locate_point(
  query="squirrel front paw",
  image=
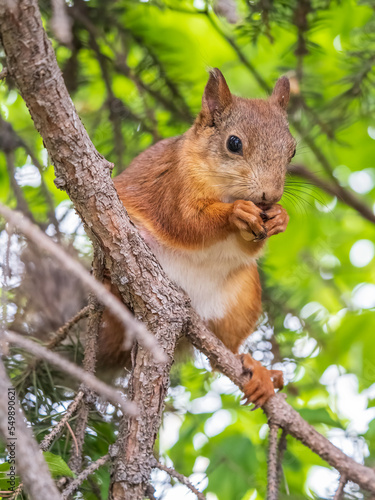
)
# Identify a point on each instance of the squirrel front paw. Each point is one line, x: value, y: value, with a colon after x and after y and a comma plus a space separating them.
x: 246, y: 216
x: 263, y: 382
x: 275, y: 219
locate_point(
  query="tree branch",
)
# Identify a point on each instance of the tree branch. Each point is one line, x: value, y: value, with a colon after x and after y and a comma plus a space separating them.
x: 89, y: 364
x: 280, y: 455
x: 10, y: 140
x: 75, y: 371
x: 340, y: 490
x: 142, y: 283
x: 341, y: 193
x: 56, y: 431
x: 63, y: 331
x: 132, y: 327
x: 272, y: 483
x: 75, y: 484
x: 181, y: 478
x: 278, y: 411
x: 29, y: 460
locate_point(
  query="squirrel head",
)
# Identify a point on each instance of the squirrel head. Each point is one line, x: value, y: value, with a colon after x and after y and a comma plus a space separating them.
x: 245, y: 144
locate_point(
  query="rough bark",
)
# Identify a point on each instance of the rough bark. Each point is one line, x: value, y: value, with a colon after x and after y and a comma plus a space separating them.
x: 85, y: 175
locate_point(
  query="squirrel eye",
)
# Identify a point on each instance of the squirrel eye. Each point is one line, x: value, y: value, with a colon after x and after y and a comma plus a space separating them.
x: 294, y: 154
x: 234, y: 144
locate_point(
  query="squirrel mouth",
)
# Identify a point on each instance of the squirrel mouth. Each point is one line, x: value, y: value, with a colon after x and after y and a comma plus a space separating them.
x: 263, y: 206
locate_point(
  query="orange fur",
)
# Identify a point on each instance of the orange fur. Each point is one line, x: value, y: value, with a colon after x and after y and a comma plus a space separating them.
x: 192, y: 199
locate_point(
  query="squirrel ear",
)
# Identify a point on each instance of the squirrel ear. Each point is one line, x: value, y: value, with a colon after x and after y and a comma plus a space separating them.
x: 281, y: 92
x: 216, y: 97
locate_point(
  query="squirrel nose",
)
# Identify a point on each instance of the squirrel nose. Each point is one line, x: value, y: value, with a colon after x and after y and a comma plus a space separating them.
x: 270, y: 196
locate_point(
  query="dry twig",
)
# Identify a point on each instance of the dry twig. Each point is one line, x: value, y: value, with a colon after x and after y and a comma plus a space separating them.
x: 63, y: 331
x: 89, y: 363
x: 38, y: 237
x: 56, y: 431
x: 75, y: 371
x: 340, y: 490
x: 281, y: 447
x: 272, y: 483
x: 181, y: 478
x: 83, y: 476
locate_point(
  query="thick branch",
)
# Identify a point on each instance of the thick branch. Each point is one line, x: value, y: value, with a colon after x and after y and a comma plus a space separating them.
x: 279, y: 412
x: 85, y: 174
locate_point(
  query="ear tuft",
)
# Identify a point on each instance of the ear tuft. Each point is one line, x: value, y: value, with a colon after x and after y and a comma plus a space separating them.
x: 216, y: 97
x: 281, y: 92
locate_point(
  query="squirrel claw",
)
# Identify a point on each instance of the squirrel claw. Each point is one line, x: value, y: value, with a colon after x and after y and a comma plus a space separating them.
x: 261, y: 236
x: 277, y: 221
x: 261, y: 385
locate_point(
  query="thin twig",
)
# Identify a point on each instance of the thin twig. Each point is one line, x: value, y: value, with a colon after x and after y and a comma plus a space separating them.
x: 340, y: 490
x: 61, y: 23
x: 150, y: 492
x: 341, y: 193
x: 83, y: 476
x: 22, y: 204
x: 281, y: 447
x: 75, y: 371
x: 181, y: 478
x: 272, y: 488
x: 17, y: 492
x: 14, y: 141
x: 63, y: 331
x: 133, y: 327
x: 56, y: 431
x: 73, y: 437
x: 89, y: 363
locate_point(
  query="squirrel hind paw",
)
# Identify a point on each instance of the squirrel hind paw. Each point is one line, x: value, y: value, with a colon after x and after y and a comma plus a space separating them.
x: 262, y: 383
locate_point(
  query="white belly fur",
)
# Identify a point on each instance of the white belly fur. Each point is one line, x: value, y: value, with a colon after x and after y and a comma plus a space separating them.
x: 203, y: 273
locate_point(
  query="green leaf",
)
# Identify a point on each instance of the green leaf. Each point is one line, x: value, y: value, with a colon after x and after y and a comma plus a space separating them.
x: 57, y: 466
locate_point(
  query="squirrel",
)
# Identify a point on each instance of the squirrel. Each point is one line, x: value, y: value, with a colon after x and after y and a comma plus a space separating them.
x: 206, y: 202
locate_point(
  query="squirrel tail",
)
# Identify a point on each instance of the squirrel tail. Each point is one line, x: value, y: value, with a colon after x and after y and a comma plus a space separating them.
x: 112, y: 357
x: 111, y: 352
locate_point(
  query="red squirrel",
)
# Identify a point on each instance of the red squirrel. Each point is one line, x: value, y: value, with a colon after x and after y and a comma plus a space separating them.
x: 206, y: 202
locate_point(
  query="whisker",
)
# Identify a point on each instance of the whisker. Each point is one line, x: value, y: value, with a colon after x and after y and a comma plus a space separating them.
x: 313, y: 194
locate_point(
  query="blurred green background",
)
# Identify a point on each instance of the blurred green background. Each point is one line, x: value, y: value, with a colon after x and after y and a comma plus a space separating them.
x: 136, y: 71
